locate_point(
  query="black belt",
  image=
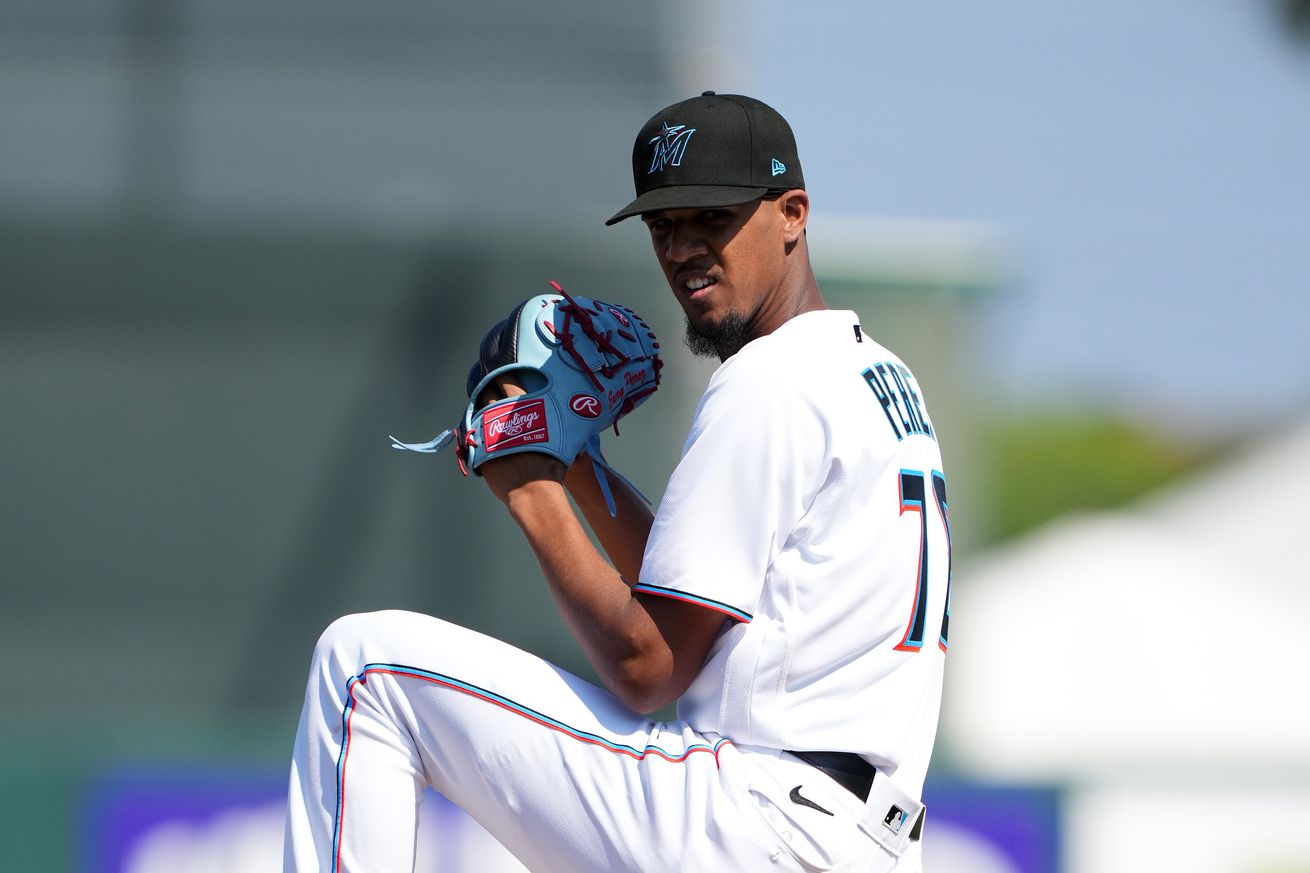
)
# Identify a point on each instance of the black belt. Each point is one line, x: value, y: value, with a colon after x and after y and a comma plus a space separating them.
x: 847, y: 769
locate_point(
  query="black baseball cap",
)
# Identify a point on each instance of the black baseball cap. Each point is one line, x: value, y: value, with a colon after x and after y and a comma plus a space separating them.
x: 711, y: 150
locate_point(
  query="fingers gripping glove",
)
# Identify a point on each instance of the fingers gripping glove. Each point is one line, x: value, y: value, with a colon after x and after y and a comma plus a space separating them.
x: 583, y: 364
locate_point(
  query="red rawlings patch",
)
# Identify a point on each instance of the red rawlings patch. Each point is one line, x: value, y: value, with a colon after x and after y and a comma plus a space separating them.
x: 585, y: 405
x: 515, y: 425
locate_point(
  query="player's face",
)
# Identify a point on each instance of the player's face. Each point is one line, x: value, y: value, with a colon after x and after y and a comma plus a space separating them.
x: 725, y: 264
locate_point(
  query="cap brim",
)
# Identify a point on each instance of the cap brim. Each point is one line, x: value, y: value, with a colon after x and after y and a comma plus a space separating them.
x: 688, y: 197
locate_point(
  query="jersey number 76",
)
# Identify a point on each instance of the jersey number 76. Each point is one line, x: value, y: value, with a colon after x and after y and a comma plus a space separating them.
x: 913, y: 494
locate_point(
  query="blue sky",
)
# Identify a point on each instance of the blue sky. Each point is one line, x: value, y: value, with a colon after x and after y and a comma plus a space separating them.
x: 1148, y: 164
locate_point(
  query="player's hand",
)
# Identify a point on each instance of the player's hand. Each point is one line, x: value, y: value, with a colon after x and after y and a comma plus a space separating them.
x: 506, y: 475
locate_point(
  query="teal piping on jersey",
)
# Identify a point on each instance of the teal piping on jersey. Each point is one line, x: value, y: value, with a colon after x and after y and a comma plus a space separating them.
x: 493, y: 698
x: 731, y: 612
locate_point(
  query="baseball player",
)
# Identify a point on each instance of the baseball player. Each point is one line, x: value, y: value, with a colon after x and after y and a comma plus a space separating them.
x: 791, y: 593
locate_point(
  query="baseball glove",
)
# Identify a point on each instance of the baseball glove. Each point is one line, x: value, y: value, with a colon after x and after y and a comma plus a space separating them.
x: 583, y: 364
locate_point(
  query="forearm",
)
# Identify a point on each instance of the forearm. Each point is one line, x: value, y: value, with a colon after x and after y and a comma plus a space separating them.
x: 615, y: 630
x: 623, y: 535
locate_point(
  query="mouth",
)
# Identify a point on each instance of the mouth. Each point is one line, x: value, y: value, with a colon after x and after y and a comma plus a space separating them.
x: 697, y: 286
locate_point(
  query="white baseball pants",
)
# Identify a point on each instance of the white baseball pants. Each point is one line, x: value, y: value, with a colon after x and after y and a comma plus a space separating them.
x: 559, y: 771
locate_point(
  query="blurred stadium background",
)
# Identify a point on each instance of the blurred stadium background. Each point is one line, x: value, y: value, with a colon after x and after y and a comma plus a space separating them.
x: 241, y: 242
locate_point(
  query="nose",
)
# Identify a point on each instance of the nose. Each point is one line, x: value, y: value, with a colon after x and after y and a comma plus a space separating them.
x: 683, y: 244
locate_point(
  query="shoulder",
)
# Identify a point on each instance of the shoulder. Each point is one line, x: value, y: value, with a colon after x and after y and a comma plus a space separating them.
x: 809, y: 347
x: 788, y: 381
x: 764, y: 367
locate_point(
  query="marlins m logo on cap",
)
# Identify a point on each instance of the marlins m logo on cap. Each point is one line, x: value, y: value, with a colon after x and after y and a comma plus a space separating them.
x: 669, y: 146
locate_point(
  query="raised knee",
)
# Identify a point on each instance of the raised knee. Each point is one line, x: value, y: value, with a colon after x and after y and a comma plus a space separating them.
x: 347, y: 638
x: 362, y: 637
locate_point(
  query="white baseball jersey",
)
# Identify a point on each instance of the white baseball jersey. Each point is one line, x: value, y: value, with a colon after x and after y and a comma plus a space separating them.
x: 810, y: 508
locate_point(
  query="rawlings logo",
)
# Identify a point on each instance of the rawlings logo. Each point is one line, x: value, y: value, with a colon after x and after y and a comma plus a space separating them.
x: 512, y: 426
x: 623, y: 319
x: 585, y: 405
x: 519, y: 424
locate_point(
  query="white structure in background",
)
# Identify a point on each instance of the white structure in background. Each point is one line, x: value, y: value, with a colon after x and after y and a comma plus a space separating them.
x: 1154, y: 660
x: 910, y: 252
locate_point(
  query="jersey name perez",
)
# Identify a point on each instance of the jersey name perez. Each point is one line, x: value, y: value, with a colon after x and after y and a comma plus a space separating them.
x: 893, y: 384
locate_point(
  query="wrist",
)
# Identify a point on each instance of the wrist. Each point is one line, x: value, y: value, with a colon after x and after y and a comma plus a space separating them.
x: 529, y: 500
x: 506, y: 475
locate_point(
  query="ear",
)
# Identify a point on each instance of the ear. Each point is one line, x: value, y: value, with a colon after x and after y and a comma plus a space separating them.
x: 794, y: 207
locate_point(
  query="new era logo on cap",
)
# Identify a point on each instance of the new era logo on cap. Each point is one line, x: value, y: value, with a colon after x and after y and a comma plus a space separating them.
x: 778, y: 167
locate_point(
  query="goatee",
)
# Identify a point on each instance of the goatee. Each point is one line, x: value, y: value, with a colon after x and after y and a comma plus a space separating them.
x: 722, y: 340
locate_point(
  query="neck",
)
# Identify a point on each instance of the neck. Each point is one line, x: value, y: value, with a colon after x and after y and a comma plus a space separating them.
x: 797, y: 294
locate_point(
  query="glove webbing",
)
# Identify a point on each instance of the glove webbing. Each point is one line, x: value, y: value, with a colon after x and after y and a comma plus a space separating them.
x: 574, y: 312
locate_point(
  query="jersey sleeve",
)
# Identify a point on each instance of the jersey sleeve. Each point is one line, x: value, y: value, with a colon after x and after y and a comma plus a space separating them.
x: 743, y: 483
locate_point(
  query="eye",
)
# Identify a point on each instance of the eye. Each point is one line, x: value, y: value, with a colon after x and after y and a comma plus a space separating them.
x: 657, y: 225
x: 716, y: 216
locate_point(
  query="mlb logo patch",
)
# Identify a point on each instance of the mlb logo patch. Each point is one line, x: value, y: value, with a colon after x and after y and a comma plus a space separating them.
x: 894, y: 819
